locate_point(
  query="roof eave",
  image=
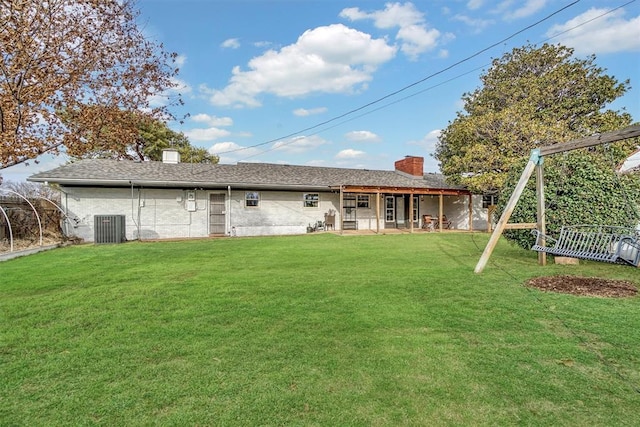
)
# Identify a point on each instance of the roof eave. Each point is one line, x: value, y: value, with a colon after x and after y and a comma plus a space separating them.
x: 76, y: 182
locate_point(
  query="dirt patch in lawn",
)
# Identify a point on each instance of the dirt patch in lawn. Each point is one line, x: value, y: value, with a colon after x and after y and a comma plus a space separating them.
x: 585, y: 286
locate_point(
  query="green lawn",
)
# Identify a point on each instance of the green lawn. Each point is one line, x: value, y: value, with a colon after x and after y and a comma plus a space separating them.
x: 320, y: 329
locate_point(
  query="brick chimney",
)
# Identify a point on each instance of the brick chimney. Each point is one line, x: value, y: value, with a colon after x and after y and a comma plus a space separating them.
x: 411, y: 165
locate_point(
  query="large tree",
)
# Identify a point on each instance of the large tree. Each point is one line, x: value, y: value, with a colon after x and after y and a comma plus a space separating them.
x: 530, y: 97
x: 151, y: 137
x: 85, y: 58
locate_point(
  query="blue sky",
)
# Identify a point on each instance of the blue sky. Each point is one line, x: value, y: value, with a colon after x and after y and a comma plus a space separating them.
x: 259, y: 77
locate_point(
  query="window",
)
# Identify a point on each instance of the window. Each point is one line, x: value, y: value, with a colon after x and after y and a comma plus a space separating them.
x: 488, y: 200
x: 310, y: 200
x: 251, y: 199
x: 363, y: 201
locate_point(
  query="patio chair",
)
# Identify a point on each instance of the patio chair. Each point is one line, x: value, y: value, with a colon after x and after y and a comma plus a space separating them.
x: 427, y: 223
x: 446, y: 224
x: 330, y: 220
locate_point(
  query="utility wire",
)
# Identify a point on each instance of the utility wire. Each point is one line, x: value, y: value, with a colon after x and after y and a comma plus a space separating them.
x: 408, y: 96
x: 374, y: 110
x: 595, y: 18
x: 409, y: 86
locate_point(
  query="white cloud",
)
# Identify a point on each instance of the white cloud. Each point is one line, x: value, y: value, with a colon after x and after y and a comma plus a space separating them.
x: 475, y: 4
x: 428, y: 142
x: 224, y: 147
x: 300, y: 144
x: 414, y: 36
x: 212, y: 120
x: 362, y: 136
x: 212, y: 131
x: 476, y: 24
x: 230, y: 152
x: 394, y: 15
x: 527, y: 9
x: 180, y: 60
x: 428, y: 146
x: 417, y: 39
x: 349, y: 154
x: 207, y: 134
x: 353, y: 14
x: 303, y: 112
x: 230, y: 44
x: 610, y: 33
x: 331, y: 59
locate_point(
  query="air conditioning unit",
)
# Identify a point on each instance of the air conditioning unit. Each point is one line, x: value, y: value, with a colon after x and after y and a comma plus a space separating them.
x: 109, y: 229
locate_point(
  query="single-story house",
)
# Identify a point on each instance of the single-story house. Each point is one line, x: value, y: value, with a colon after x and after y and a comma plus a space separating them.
x: 170, y: 199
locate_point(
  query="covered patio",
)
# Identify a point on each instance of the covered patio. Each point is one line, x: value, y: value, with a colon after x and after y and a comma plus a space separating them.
x: 401, y: 208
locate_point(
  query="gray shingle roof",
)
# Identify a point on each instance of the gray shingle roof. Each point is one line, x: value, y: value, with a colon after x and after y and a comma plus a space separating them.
x: 257, y: 175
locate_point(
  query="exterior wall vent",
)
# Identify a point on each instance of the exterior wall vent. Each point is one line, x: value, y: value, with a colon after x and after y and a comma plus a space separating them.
x: 109, y: 229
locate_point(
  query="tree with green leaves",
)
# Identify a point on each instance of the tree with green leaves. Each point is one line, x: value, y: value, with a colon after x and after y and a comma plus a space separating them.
x: 155, y: 136
x: 150, y: 138
x: 530, y: 97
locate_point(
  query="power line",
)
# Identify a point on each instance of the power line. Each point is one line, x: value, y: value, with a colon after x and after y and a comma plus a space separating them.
x: 589, y: 21
x: 426, y: 89
x: 374, y: 110
x: 409, y: 86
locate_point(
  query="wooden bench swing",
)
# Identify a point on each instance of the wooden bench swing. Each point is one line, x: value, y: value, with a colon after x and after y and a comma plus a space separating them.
x: 592, y: 242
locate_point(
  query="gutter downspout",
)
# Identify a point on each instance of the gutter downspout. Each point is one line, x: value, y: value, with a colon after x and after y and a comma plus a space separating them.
x: 341, y: 211
x: 228, y: 208
x: 136, y: 220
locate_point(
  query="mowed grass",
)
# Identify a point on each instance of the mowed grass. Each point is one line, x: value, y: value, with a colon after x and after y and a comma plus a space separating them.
x: 320, y: 329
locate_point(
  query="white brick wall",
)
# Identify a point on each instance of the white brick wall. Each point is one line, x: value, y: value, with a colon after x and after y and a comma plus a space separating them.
x: 279, y: 212
x: 149, y: 213
x: 164, y: 213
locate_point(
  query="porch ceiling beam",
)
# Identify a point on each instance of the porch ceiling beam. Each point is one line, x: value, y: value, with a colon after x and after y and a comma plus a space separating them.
x: 402, y: 190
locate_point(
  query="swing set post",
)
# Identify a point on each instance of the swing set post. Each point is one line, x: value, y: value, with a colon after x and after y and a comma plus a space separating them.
x: 508, y: 210
x: 535, y: 163
x: 541, y: 223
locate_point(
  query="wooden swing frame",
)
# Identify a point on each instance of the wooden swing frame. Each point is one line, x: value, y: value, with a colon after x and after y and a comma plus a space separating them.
x: 535, y: 164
